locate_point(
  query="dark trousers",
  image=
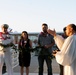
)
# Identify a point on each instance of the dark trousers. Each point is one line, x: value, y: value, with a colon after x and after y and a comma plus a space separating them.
x: 61, y: 70
x: 41, y: 59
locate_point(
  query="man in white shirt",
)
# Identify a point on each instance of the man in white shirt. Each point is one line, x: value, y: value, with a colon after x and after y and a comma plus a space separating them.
x: 67, y: 54
x: 5, y: 55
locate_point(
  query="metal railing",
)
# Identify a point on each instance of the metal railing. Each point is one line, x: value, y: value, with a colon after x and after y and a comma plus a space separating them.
x: 15, y: 61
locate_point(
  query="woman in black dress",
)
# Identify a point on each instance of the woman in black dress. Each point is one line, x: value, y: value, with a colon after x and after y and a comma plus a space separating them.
x: 24, y: 52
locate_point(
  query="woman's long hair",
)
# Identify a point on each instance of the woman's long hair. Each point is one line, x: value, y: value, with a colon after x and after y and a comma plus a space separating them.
x: 24, y: 32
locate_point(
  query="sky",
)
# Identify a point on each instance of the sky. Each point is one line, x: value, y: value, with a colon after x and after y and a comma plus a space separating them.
x: 29, y: 15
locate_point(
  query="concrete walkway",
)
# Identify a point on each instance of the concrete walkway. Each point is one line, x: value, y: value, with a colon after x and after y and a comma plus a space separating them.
x: 30, y: 74
x: 34, y: 67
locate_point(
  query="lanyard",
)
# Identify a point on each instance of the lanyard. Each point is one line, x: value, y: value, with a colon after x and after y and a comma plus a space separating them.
x: 4, y: 38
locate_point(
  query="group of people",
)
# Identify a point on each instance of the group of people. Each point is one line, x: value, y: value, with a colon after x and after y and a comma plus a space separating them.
x: 66, y: 56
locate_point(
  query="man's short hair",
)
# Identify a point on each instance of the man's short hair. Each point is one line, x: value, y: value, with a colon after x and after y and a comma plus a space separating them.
x: 44, y: 24
x: 73, y: 26
x: 64, y: 29
x: 5, y: 26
